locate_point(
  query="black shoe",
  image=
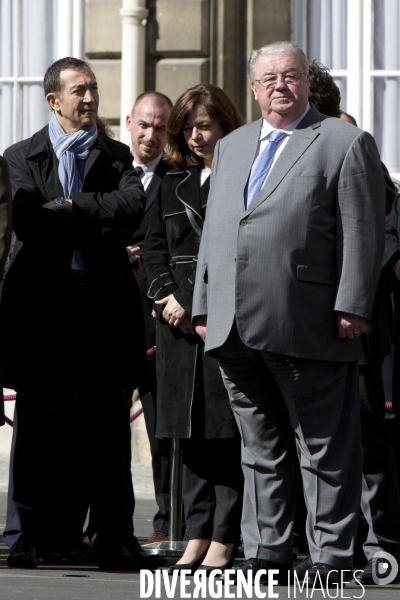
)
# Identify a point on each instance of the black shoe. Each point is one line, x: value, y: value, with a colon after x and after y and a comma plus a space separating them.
x: 303, y: 567
x: 192, y: 566
x: 22, y: 555
x: 130, y: 557
x: 328, y: 575
x: 75, y: 558
x: 208, y: 569
x: 365, y: 576
x: 256, y: 564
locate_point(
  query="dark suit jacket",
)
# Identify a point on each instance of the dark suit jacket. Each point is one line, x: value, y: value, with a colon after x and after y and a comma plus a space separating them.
x: 32, y: 306
x: 5, y: 239
x: 138, y: 239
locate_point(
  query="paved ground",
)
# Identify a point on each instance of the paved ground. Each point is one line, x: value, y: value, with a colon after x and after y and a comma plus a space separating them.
x: 88, y: 583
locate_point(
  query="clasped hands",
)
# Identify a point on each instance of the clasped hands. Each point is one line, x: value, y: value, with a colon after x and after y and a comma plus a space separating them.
x: 175, y: 314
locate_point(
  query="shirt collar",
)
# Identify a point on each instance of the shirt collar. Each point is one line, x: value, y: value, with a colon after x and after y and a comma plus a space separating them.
x: 267, y: 128
x: 149, y: 167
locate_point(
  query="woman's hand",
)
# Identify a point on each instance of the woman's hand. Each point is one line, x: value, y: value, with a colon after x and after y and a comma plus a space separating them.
x: 175, y: 314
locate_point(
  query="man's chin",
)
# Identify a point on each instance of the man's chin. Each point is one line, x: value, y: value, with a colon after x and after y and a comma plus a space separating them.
x: 283, y: 106
x: 148, y: 156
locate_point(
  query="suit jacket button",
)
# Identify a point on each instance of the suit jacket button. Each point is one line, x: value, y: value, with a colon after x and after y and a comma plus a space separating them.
x: 243, y: 223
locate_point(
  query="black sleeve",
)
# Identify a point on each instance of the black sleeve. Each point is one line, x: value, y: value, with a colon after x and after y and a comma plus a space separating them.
x: 5, y: 212
x: 392, y: 244
x: 30, y: 219
x: 123, y: 206
x: 157, y: 255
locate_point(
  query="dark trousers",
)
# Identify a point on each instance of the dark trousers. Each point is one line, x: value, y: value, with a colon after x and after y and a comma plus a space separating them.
x: 12, y: 529
x: 380, y: 499
x: 160, y: 450
x: 71, y: 445
x: 70, y: 448
x: 212, y: 488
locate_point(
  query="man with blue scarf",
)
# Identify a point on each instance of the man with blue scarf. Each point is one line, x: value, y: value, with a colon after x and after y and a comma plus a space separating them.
x: 74, y: 346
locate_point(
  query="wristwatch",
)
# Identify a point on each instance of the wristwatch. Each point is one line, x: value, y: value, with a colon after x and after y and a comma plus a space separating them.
x: 59, y: 203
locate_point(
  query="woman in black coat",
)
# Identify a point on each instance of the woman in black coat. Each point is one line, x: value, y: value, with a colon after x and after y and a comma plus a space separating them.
x: 192, y: 403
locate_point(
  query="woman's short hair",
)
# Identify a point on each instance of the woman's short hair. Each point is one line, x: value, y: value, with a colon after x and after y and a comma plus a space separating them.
x: 218, y: 107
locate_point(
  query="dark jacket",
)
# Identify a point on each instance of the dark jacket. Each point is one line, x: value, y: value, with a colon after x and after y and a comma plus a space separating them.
x: 390, y: 258
x: 137, y: 239
x: 5, y: 239
x: 377, y: 341
x: 191, y: 398
x: 33, y: 311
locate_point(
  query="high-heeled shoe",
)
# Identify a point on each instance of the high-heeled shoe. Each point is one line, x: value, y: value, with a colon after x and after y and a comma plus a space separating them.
x: 192, y: 566
x: 208, y: 568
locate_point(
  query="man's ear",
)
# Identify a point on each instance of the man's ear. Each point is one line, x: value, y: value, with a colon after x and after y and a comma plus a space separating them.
x: 254, y: 88
x: 54, y: 101
x: 128, y: 122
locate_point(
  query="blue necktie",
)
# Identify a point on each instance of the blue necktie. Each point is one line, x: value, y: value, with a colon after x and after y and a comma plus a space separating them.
x: 262, y: 165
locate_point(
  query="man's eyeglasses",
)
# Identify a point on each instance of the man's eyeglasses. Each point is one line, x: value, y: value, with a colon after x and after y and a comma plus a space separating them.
x: 272, y: 80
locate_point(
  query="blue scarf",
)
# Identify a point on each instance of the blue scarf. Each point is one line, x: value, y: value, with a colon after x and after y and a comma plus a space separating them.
x: 68, y: 147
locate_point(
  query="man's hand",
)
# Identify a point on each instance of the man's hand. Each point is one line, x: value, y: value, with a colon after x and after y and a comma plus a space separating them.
x: 351, y: 326
x: 201, y: 326
x: 135, y: 259
x: 175, y: 314
x: 66, y: 207
x: 396, y: 270
x: 186, y: 325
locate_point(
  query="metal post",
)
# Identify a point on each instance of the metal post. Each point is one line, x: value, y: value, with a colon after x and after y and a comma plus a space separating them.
x: 175, y: 546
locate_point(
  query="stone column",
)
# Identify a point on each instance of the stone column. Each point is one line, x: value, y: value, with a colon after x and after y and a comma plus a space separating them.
x: 134, y: 14
x: 78, y: 29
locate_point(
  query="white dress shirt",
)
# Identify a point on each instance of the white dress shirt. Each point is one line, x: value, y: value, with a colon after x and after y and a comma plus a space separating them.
x: 266, y: 130
x: 148, y: 170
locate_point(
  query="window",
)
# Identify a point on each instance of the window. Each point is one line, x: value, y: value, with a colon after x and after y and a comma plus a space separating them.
x: 359, y: 41
x: 33, y: 34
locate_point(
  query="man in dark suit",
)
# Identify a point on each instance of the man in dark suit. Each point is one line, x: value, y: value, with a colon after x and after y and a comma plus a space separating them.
x: 70, y: 308
x: 287, y: 271
x: 147, y: 124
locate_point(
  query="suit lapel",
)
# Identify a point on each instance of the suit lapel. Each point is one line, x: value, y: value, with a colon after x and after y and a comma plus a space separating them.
x: 151, y: 191
x: 44, y: 162
x: 91, y: 159
x: 302, y: 137
x: 99, y: 146
x: 188, y: 191
x: 248, y: 152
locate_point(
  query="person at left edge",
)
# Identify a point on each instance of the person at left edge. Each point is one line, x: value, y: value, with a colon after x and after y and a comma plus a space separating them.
x: 5, y: 237
x: 66, y: 313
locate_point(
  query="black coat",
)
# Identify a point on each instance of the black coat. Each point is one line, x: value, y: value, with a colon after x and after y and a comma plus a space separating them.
x: 5, y: 238
x: 191, y: 398
x: 137, y: 240
x: 36, y: 349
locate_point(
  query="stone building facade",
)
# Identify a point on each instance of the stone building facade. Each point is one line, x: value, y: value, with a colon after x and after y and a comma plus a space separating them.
x: 187, y: 42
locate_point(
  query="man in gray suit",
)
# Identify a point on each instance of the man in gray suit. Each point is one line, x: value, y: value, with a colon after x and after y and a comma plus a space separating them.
x: 287, y: 271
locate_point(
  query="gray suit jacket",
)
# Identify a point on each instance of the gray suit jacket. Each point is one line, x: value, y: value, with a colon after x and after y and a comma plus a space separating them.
x: 309, y: 245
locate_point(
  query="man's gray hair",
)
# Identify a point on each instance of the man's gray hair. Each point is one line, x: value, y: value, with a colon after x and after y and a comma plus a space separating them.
x: 277, y: 48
